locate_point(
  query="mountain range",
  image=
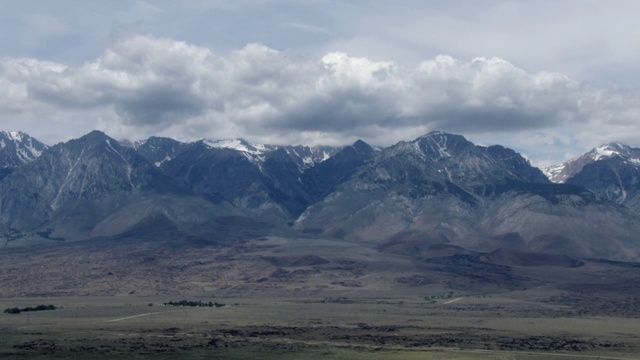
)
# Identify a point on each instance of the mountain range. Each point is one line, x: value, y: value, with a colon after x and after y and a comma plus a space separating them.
x: 411, y: 198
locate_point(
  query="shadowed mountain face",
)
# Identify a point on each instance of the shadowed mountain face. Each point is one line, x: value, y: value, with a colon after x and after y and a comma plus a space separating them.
x: 73, y: 186
x: 616, y: 179
x: 411, y: 198
x: 268, y: 181
x: 267, y: 187
x: 159, y: 150
x: 264, y: 180
x: 323, y: 179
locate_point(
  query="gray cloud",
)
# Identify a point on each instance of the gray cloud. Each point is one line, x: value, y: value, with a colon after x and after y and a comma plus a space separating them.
x: 144, y: 85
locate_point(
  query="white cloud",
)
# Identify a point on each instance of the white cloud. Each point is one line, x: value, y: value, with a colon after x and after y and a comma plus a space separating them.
x: 143, y: 85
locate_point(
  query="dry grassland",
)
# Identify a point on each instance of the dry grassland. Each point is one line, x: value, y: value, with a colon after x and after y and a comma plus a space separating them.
x: 310, y: 328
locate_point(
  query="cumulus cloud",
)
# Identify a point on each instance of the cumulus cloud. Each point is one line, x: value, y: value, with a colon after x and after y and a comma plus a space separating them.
x: 143, y: 85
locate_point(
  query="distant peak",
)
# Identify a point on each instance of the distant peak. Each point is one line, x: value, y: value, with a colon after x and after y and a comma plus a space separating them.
x: 435, y: 133
x: 363, y: 148
x: 359, y: 143
x: 235, y: 144
x: 96, y: 138
x: 442, y: 139
x: 613, y: 145
x: 440, y: 136
x: 23, y: 148
x: 17, y: 136
x: 253, y: 152
x: 95, y: 133
x: 608, y: 150
x: 561, y: 172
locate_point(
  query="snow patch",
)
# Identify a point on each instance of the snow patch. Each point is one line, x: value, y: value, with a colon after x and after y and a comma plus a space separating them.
x: 253, y: 152
x: 603, y: 152
x: 35, y: 153
x: 15, y: 136
x: 635, y: 162
x: 237, y: 144
x: 554, y: 173
x: 129, y: 167
x: 116, y: 152
x: 166, y: 158
x: 417, y: 150
x: 308, y: 161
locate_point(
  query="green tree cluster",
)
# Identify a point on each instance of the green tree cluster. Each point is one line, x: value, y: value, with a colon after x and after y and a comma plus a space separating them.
x: 16, y: 310
x: 193, y: 303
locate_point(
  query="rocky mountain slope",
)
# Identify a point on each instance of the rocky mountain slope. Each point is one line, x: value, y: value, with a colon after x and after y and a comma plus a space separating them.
x: 442, y: 189
x: 439, y: 189
x: 157, y: 150
x: 16, y: 149
x: 73, y: 191
x: 263, y: 180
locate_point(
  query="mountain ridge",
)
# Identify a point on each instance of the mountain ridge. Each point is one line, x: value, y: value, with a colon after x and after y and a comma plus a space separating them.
x: 560, y: 173
x: 442, y: 189
x: 439, y: 188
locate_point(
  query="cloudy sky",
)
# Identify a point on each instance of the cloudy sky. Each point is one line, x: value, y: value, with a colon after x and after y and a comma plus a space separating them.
x: 551, y: 79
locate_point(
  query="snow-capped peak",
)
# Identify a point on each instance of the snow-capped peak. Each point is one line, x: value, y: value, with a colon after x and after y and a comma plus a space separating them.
x: 562, y: 172
x: 608, y: 150
x: 253, y: 152
x: 19, y: 148
x: 15, y: 135
x: 303, y: 156
x: 240, y: 145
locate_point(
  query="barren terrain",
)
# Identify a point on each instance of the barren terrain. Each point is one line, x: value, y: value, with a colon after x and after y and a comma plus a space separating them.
x: 312, y: 298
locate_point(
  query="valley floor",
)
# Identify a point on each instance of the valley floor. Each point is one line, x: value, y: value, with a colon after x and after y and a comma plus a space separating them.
x: 485, y: 327
x: 290, y: 298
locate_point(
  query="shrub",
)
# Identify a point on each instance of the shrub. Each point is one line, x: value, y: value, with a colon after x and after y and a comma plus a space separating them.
x: 16, y: 310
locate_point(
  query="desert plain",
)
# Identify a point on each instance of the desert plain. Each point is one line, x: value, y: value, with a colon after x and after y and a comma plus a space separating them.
x: 292, y: 298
